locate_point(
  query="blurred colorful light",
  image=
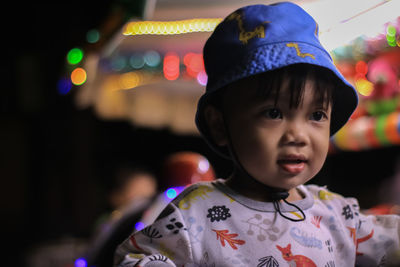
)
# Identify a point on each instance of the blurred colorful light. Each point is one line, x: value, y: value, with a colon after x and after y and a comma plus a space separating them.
x: 129, y: 80
x: 136, y: 61
x: 74, y: 56
x: 391, y: 30
x: 364, y: 87
x: 194, y: 64
x: 203, y: 166
x: 78, y: 76
x: 81, y: 262
x: 93, y: 36
x: 202, y: 78
x: 152, y: 58
x: 361, y: 67
x: 139, y: 226
x: 391, y: 35
x: 171, y: 27
x: 64, y: 85
x: 171, y: 193
x: 171, y: 66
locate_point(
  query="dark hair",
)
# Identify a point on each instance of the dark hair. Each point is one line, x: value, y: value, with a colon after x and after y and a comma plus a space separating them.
x: 269, y: 84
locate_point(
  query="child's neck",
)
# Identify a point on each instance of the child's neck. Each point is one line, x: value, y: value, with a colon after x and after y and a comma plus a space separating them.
x: 255, y: 190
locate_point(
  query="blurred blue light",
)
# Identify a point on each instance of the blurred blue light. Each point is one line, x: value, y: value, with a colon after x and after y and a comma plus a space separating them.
x: 136, y: 61
x: 139, y: 226
x: 152, y: 58
x: 171, y: 193
x: 81, y: 262
x: 64, y: 85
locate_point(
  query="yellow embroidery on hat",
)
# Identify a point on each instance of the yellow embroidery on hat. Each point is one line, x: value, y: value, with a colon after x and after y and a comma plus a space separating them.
x: 245, y: 36
x: 296, y: 46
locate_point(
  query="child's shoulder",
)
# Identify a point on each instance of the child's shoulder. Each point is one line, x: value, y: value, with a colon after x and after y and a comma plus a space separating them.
x: 323, y: 194
x: 200, y: 187
x: 196, y: 192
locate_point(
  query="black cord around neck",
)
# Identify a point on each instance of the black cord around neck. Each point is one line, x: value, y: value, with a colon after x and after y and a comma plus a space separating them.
x: 278, y: 209
x: 275, y: 194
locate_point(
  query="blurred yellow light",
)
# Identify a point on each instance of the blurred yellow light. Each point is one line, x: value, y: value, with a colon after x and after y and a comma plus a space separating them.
x: 171, y: 27
x: 129, y: 80
x: 364, y: 87
x: 78, y: 76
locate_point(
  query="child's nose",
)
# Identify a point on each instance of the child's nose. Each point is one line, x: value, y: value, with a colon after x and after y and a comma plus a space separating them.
x: 294, y: 134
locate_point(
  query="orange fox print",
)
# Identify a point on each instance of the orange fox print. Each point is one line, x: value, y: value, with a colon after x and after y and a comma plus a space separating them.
x: 295, y: 260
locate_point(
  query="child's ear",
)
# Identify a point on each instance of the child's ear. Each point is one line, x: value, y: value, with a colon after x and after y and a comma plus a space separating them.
x: 215, y: 125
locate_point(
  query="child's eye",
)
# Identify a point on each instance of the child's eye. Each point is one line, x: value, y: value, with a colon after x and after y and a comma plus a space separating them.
x: 318, y: 116
x: 273, y: 113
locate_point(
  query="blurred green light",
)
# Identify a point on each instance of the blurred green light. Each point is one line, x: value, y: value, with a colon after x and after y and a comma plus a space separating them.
x: 93, y: 36
x: 74, y: 56
x: 390, y: 38
x: 136, y: 61
x: 391, y: 31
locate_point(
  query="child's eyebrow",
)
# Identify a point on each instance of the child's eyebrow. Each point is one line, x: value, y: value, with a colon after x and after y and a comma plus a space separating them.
x: 319, y: 103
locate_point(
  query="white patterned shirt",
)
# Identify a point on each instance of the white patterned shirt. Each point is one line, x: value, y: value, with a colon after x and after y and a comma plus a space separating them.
x: 208, y: 224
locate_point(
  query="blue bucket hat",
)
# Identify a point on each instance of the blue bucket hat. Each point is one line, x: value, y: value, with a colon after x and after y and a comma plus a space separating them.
x: 260, y: 38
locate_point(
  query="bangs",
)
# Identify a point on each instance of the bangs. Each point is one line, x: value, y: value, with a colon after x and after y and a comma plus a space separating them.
x: 269, y: 84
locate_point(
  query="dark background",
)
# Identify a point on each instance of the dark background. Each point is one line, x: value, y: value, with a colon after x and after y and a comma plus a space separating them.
x: 56, y: 161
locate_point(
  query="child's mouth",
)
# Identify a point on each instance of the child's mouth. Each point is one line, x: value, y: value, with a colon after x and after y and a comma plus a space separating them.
x: 292, y: 164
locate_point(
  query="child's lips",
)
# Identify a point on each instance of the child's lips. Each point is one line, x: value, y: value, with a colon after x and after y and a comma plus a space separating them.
x: 293, y: 164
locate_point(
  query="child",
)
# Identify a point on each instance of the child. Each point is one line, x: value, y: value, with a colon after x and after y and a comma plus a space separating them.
x: 273, y: 100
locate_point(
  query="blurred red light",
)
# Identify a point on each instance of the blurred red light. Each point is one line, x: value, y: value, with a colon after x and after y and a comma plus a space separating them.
x: 194, y: 64
x: 361, y: 67
x: 171, y: 66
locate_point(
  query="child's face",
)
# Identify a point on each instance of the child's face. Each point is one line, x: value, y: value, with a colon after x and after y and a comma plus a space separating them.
x: 280, y: 146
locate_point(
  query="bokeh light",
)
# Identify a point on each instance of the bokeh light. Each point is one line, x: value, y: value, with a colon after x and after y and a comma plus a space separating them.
x: 391, y: 35
x: 171, y: 66
x: 391, y: 30
x: 203, y: 166
x: 74, y: 56
x: 171, y: 193
x: 92, y: 36
x: 171, y: 27
x: 152, y: 58
x: 202, y: 78
x: 364, y: 87
x: 78, y: 76
x: 361, y: 67
x: 194, y: 64
x: 129, y: 80
x: 64, y: 86
x: 139, y: 226
x: 81, y: 262
x: 136, y: 61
